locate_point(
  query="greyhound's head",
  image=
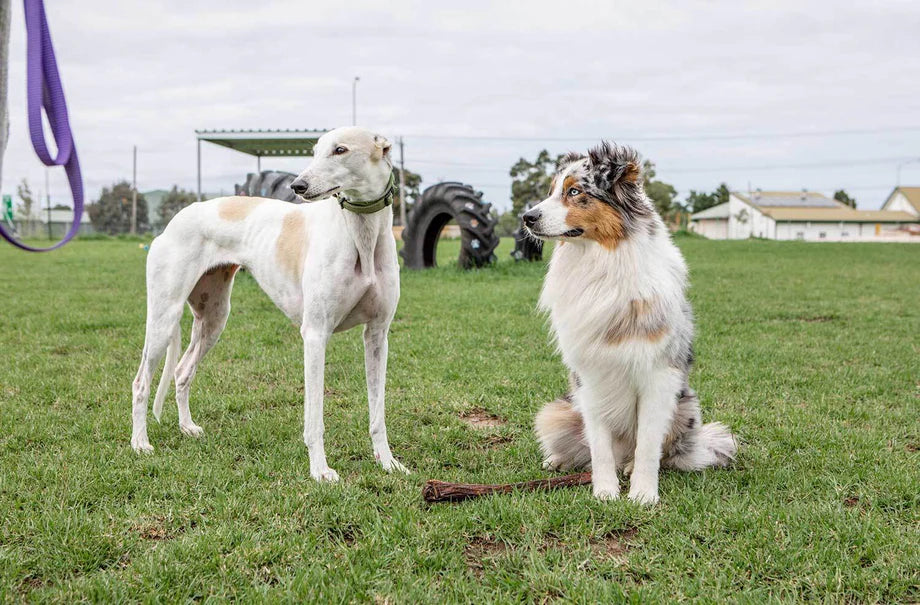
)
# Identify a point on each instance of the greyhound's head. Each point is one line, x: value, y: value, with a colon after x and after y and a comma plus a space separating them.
x: 350, y: 161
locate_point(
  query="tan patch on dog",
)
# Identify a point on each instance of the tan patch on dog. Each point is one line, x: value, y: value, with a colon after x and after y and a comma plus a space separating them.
x: 291, y: 248
x: 235, y: 209
x: 641, y: 321
x: 598, y: 220
x: 632, y: 173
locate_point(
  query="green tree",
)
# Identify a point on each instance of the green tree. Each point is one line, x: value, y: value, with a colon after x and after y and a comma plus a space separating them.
x: 111, y: 213
x: 173, y: 202
x: 698, y: 201
x: 412, y: 184
x: 508, y: 222
x: 28, y: 199
x: 661, y: 193
x: 844, y: 198
x: 530, y: 180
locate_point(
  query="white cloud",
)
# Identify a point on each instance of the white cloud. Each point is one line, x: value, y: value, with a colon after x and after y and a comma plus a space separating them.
x: 150, y: 73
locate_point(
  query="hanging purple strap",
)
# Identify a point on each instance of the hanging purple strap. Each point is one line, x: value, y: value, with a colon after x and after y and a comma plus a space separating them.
x: 45, y: 91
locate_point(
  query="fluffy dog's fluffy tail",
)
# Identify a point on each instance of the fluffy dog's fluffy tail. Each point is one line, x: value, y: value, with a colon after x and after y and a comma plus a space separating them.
x: 169, y: 369
x: 689, y: 446
x: 561, y: 432
x: 692, y: 445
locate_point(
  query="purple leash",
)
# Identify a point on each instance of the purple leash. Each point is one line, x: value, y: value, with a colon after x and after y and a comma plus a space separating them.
x: 45, y: 91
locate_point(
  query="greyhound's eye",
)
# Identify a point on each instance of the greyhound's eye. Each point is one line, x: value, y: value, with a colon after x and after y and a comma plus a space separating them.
x: 339, y: 150
x: 573, y: 191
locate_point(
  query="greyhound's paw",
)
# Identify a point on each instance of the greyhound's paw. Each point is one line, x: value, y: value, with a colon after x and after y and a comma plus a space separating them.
x: 191, y: 429
x: 141, y: 445
x: 325, y: 476
x: 392, y: 464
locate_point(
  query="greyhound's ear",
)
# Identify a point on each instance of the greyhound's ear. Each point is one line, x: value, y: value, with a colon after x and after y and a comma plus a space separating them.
x: 382, y: 147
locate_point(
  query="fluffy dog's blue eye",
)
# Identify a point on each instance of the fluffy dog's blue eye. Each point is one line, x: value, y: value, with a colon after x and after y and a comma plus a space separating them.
x: 574, y: 191
x: 339, y: 150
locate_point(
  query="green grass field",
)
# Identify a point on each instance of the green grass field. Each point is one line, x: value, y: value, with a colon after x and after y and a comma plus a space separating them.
x: 810, y: 352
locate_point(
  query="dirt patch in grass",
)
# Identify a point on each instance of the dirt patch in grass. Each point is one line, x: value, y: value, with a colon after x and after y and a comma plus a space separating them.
x: 479, y: 418
x: 495, y: 441
x: 615, y: 543
x: 851, y: 501
x: 482, y: 549
x: 159, y: 528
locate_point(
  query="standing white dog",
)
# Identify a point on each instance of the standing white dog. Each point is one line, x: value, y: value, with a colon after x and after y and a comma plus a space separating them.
x: 329, y: 266
x: 615, y: 295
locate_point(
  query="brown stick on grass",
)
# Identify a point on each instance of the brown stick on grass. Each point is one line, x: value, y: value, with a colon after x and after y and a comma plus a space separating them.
x: 444, y: 491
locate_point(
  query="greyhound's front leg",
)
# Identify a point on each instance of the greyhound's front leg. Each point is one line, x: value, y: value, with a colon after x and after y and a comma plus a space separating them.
x: 375, y: 365
x: 314, y: 361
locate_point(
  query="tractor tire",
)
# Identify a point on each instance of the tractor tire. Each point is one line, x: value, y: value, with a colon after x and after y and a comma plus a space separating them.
x: 269, y: 183
x: 437, y: 206
x: 526, y: 247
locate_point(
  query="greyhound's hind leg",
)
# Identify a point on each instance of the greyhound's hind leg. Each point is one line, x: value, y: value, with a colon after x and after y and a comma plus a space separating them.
x: 210, y: 303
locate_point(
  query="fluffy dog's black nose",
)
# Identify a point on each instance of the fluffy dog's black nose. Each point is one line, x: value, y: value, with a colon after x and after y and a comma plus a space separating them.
x: 299, y: 186
x: 531, y: 217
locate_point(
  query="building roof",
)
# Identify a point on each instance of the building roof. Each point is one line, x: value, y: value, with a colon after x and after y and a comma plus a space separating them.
x: 264, y: 142
x: 841, y: 214
x: 719, y: 211
x: 911, y: 193
x: 788, y: 199
x: 57, y: 216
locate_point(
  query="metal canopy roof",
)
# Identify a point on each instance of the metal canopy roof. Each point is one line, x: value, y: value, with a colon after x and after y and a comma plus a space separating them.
x: 264, y: 142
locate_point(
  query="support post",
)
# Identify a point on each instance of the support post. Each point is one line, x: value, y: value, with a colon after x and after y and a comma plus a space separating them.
x: 134, y: 194
x: 402, y: 185
x: 259, y: 164
x: 48, y: 202
x: 199, y: 170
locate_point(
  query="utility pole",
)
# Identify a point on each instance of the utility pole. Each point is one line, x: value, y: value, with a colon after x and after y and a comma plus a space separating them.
x: 354, y: 101
x: 134, y: 195
x: 48, y: 201
x: 4, y: 67
x: 402, y: 185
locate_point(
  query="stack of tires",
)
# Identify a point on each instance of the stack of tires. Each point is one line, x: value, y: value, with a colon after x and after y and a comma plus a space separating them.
x: 437, y: 206
x: 269, y: 183
x: 526, y: 247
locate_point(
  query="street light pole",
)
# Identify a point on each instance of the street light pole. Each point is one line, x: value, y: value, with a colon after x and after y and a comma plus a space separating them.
x: 354, y: 101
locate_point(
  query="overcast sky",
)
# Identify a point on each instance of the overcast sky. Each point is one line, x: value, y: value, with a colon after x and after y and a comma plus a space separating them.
x: 710, y: 91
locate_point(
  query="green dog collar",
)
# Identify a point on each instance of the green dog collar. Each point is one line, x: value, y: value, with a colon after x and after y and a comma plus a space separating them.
x: 372, y: 206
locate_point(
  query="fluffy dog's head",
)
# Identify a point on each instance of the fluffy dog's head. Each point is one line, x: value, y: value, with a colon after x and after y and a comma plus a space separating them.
x: 598, y: 196
x: 352, y: 161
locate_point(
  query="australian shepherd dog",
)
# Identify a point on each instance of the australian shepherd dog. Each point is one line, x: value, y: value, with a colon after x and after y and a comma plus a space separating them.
x: 615, y: 294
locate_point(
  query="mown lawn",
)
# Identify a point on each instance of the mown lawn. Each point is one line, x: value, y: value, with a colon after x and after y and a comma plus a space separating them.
x: 810, y: 352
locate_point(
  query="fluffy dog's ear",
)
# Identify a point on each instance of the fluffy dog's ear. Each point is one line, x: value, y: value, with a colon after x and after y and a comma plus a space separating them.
x: 614, y: 164
x: 381, y: 147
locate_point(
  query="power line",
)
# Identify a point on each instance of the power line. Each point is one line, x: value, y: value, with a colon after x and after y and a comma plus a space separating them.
x: 687, y: 137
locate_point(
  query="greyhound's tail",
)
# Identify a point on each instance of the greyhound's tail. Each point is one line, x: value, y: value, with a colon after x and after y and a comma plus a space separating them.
x: 169, y: 370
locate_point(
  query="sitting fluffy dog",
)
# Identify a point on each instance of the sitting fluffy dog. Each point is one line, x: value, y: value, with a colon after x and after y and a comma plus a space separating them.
x: 615, y: 292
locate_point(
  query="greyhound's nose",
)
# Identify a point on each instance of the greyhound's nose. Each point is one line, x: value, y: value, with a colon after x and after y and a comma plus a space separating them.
x: 299, y: 186
x: 531, y: 217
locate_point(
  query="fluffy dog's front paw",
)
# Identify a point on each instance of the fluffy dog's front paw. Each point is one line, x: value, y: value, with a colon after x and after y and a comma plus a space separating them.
x: 606, y: 493
x: 192, y: 430
x: 645, y: 497
x: 390, y: 464
x: 552, y: 464
x: 325, y: 476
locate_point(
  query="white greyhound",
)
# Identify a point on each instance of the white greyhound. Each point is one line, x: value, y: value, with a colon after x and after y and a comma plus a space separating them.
x: 329, y: 266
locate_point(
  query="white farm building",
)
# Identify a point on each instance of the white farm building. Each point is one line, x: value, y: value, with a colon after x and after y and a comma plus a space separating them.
x: 807, y: 215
